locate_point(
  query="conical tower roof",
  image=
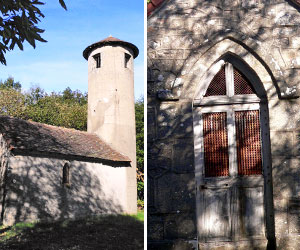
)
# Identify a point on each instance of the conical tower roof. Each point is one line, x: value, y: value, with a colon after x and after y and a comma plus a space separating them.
x: 110, y: 41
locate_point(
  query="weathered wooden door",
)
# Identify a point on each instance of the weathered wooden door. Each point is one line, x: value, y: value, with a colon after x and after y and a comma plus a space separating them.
x: 230, y: 188
x: 229, y: 160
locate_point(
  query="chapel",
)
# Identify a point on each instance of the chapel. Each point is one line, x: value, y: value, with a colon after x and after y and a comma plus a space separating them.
x: 52, y: 173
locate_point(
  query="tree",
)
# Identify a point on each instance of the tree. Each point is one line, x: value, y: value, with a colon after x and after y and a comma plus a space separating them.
x: 18, y: 22
x: 10, y: 83
x: 139, y: 120
x: 68, y: 109
x: 12, y: 101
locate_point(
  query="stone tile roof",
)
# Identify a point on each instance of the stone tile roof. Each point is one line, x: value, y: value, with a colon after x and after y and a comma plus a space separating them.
x: 110, y: 41
x: 32, y: 137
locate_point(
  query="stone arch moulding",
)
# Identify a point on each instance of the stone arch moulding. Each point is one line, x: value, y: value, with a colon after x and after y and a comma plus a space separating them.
x: 237, y: 63
x: 259, y: 60
x: 203, y: 193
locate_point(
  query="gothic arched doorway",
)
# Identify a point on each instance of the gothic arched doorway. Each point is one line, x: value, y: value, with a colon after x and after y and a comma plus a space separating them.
x: 232, y: 156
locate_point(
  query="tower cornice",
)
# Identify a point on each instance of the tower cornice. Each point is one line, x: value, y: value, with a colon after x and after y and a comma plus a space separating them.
x: 110, y: 41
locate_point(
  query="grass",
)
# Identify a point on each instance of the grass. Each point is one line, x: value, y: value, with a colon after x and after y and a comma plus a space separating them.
x: 109, y: 232
x: 139, y: 216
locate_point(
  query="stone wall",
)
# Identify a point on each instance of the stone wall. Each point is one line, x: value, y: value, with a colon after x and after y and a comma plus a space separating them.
x: 34, y: 190
x: 4, y: 156
x: 185, y: 38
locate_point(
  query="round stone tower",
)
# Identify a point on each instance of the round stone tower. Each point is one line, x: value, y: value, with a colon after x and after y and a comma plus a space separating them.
x: 111, y: 113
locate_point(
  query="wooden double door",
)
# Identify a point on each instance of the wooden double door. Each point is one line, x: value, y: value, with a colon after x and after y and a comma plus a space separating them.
x: 229, y: 173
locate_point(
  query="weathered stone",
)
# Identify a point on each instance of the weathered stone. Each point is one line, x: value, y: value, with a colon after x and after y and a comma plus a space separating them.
x: 151, y: 123
x: 163, y: 193
x: 294, y: 216
x: 150, y: 194
x: 180, y: 226
x: 158, y: 166
x: 287, y: 171
x: 155, y: 228
x: 183, y: 156
x: 291, y: 58
x: 284, y: 115
x: 167, y: 113
x: 193, y: 36
x: 283, y: 143
x: 183, y: 190
x: 184, y: 128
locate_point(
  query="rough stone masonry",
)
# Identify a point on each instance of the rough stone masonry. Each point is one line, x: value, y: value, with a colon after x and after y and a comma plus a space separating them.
x: 186, y: 39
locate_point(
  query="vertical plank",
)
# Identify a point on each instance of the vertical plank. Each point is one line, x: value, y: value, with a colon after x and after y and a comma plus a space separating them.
x: 217, y: 224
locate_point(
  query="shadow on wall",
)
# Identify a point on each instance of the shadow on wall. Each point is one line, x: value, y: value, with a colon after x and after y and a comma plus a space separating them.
x: 174, y: 40
x: 173, y: 53
x: 34, y: 190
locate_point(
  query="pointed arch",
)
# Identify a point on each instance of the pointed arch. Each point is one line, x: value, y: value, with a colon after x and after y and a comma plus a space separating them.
x: 198, y: 67
x: 238, y: 64
x: 232, y: 141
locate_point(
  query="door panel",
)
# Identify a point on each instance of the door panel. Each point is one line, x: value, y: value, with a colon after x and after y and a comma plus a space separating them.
x: 216, y: 213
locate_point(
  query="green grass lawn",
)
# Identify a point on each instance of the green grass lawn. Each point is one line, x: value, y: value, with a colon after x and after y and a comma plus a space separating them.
x: 140, y: 215
x: 102, y: 232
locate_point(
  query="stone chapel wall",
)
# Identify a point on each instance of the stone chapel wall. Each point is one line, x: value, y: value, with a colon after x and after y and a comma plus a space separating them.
x: 185, y: 38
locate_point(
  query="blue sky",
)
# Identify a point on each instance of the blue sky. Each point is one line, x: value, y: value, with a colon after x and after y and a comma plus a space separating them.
x: 59, y: 63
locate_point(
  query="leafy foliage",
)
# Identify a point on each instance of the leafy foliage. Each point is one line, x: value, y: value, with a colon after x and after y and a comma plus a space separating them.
x: 10, y: 83
x: 139, y: 120
x: 67, y: 109
x: 12, y: 101
x: 18, y: 23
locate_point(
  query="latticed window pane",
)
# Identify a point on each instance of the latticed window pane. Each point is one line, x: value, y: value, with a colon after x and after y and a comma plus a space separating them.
x: 248, y: 142
x: 216, y: 158
x: 241, y: 84
x: 218, y: 84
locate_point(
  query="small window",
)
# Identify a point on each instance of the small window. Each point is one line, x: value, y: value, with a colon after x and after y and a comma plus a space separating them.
x: 127, y: 58
x: 66, y: 175
x: 97, y: 58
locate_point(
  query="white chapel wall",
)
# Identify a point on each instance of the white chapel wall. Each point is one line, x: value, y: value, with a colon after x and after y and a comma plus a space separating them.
x: 34, y: 190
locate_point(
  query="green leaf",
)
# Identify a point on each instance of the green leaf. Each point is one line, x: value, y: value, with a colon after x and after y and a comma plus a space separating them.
x: 62, y: 3
x: 20, y: 45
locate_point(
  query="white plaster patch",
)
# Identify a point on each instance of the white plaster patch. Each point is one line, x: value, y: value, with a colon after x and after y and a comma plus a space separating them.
x: 289, y: 91
x: 211, y: 22
x: 176, y: 82
x: 105, y: 100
